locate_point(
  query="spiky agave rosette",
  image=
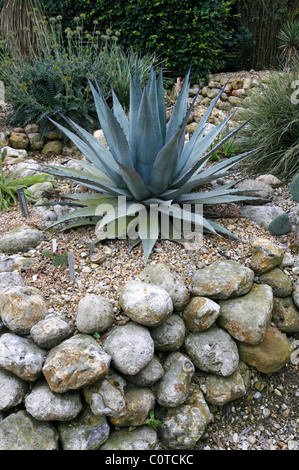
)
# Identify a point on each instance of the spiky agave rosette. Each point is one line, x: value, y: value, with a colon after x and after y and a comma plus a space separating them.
x: 147, y: 164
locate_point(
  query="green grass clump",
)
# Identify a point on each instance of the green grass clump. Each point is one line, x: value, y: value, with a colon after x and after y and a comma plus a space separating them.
x: 273, y: 114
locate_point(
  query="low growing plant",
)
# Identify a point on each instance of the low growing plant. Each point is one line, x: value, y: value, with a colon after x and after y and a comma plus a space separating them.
x: 147, y: 167
x: 10, y: 183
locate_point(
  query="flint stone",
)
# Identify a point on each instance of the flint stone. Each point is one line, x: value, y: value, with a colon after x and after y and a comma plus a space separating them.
x: 271, y: 355
x: 200, y: 314
x: 213, y: 351
x: 142, y: 438
x: 146, y: 304
x: 20, y: 431
x: 21, y: 357
x: 21, y: 308
x: 39, y: 190
x: 163, y: 276
x: 21, y: 239
x: 285, y: 315
x: 85, y: 432
x: 45, y: 405
x: 173, y: 389
x: 185, y: 424
x: 265, y: 255
x: 170, y: 335
x: 75, y: 363
x: 269, y: 179
x: 153, y: 372
x: 261, y: 215
x: 51, y: 331
x: 130, y: 346
x: 8, y: 279
x: 222, y: 280
x: 222, y: 390
x: 262, y: 191
x: 95, y: 314
x: 140, y: 401
x: 247, y: 318
x: 15, y: 153
x: 13, y: 390
x: 107, y: 397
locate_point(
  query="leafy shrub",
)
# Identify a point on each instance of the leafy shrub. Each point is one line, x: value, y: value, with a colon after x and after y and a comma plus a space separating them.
x: 273, y: 125
x: 54, y: 80
x: 148, y: 165
x: 192, y: 32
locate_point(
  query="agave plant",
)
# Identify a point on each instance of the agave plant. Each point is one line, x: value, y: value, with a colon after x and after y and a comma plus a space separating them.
x: 146, y: 164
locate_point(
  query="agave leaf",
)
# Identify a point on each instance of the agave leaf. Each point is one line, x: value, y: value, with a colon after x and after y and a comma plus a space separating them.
x: 161, y: 104
x: 192, y: 164
x: 166, y: 160
x: 149, y: 229
x: 135, y: 100
x: 86, y: 179
x: 146, y: 138
x: 179, y: 109
x: 220, y: 229
x: 120, y: 115
x: 81, y: 223
x: 96, y: 152
x: 113, y: 131
x: 154, y: 105
x: 134, y: 183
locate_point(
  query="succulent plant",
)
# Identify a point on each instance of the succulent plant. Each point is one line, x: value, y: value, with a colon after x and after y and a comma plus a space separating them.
x: 294, y: 188
x: 147, y: 163
x: 280, y: 225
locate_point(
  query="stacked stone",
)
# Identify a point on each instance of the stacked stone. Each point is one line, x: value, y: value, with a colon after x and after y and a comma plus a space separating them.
x: 180, y: 351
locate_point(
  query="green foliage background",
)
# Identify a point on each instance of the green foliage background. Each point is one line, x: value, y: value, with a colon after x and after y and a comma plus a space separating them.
x: 195, y: 32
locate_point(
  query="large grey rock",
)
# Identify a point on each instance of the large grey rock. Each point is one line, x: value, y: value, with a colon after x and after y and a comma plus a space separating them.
x: 142, y: 438
x: 75, y: 363
x: 222, y: 280
x: 21, y: 308
x: 20, y: 431
x: 153, y: 372
x: 247, y: 318
x: 200, y: 314
x: 263, y: 192
x: 285, y: 315
x: 45, y: 405
x: 95, y: 314
x: 21, y: 239
x: 13, y: 390
x: 213, y: 351
x: 170, y: 335
x: 86, y: 432
x: 146, y: 304
x: 15, y: 153
x: 21, y: 357
x: 140, y: 401
x: 222, y: 390
x: 173, y: 388
x: 43, y: 211
x: 185, y: 424
x: 51, y: 331
x: 107, y: 397
x: 164, y: 276
x: 39, y: 190
x: 9, y: 279
x: 6, y: 263
x: 130, y: 346
x: 261, y: 215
